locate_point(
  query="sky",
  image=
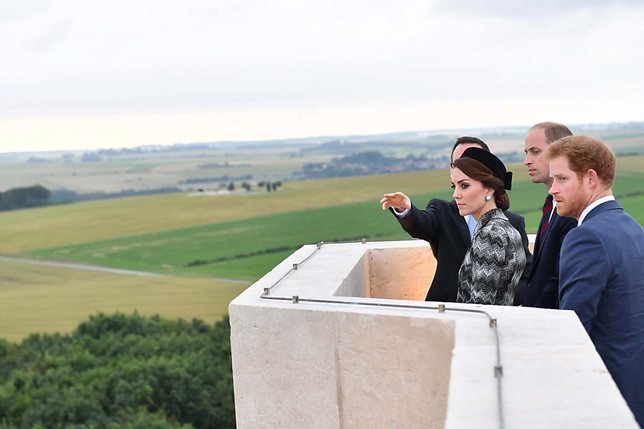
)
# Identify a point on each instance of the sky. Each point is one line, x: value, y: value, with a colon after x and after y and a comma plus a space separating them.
x: 86, y: 74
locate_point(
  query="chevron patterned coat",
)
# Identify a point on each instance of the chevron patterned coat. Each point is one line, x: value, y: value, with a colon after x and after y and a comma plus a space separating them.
x: 492, y: 267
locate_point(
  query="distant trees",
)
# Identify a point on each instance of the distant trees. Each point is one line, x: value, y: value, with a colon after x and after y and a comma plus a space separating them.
x: 120, y: 371
x: 367, y: 163
x: 217, y: 179
x: 66, y: 196
x: 20, y: 198
x: 38, y: 196
x: 269, y: 186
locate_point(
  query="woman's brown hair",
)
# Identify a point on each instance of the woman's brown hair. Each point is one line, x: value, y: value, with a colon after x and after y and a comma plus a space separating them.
x: 478, y: 171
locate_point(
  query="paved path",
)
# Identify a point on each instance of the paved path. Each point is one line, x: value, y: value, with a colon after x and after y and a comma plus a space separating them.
x: 86, y: 267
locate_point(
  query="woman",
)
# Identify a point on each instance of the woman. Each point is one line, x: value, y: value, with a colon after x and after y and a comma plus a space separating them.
x: 494, y: 263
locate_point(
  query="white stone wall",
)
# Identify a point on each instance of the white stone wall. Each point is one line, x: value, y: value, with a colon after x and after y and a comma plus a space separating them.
x: 336, y: 358
x: 311, y: 368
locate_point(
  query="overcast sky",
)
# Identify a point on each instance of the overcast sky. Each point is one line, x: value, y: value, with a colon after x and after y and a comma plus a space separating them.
x: 88, y: 74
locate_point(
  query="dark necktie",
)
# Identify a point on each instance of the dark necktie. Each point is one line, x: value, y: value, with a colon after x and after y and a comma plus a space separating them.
x: 545, y: 220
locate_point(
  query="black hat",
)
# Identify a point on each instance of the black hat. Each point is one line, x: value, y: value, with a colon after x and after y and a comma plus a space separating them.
x: 494, y: 164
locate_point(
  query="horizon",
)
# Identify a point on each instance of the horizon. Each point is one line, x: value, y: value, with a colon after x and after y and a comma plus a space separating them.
x: 503, y: 129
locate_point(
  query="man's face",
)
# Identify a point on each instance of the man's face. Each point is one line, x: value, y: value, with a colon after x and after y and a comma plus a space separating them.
x: 568, y: 189
x: 458, y: 151
x: 536, y: 146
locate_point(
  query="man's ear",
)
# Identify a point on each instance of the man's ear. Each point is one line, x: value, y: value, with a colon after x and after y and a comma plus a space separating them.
x: 592, y: 178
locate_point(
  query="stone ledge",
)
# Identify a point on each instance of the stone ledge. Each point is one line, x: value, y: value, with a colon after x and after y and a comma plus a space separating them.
x: 369, y: 363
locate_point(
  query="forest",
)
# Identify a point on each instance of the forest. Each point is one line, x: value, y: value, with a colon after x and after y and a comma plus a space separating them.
x: 120, y: 371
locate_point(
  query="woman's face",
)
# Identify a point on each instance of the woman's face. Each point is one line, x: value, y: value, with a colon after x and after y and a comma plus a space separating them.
x: 469, y: 194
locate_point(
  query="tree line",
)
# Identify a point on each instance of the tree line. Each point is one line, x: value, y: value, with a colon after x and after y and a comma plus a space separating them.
x: 373, y: 162
x: 39, y: 196
x: 21, y: 198
x: 267, y: 185
x: 369, y: 163
x: 120, y: 371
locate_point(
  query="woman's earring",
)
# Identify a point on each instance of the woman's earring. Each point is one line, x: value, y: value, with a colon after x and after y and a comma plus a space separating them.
x: 488, y: 198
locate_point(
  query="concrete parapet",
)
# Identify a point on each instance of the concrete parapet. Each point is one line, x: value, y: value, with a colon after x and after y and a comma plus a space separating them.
x: 332, y: 337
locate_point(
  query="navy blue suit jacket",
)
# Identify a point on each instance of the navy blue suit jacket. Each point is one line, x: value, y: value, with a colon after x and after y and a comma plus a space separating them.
x: 602, y: 280
x: 447, y: 233
x: 543, y: 285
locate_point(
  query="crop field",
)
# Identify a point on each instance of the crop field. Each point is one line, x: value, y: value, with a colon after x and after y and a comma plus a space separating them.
x: 210, y: 249
x: 54, y: 226
x: 195, y: 242
x: 242, y: 248
x: 114, y: 171
x: 145, y: 170
x: 46, y: 299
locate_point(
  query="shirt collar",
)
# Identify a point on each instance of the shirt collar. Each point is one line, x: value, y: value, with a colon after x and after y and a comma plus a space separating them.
x: 471, y: 224
x: 594, y: 204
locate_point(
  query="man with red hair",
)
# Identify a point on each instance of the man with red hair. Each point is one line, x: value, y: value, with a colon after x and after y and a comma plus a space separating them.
x: 602, y: 261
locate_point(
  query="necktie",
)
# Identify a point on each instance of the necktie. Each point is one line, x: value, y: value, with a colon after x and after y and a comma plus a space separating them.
x: 545, y: 220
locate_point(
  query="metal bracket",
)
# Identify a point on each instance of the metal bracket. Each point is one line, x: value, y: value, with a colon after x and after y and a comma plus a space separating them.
x: 498, y: 371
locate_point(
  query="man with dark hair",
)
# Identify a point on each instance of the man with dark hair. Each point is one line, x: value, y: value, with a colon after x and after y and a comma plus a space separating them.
x: 602, y: 261
x: 448, y: 233
x: 543, y: 283
x: 464, y: 143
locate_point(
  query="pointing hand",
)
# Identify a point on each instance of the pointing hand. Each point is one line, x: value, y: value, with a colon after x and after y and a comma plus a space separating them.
x: 398, y: 201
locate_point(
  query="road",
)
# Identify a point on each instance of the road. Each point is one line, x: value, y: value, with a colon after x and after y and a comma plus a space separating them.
x: 87, y: 267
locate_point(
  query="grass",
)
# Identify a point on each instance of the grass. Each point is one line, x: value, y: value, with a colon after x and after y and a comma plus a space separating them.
x: 236, y: 236
x: 26, y: 230
x: 35, y: 298
x: 248, y: 248
x: 247, y: 240
x: 64, y: 225
x: 635, y: 207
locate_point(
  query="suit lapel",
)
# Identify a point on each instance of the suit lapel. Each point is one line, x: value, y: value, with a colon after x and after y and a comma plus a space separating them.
x: 553, y: 219
x: 461, y: 225
x: 539, y: 244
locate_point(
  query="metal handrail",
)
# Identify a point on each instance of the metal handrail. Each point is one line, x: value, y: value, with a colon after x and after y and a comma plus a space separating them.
x: 442, y: 308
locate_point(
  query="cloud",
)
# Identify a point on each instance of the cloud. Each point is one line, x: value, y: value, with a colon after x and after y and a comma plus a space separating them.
x: 527, y: 9
x: 51, y: 35
x: 382, y: 57
x: 16, y: 11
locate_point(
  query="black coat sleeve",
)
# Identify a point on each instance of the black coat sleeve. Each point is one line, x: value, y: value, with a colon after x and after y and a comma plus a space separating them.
x: 519, y: 224
x: 423, y: 224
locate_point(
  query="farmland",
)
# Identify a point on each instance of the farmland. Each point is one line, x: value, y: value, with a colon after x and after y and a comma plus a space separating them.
x: 247, y: 248
x: 47, y: 299
x: 197, y: 242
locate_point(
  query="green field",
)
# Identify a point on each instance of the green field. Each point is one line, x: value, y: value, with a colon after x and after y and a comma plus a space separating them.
x: 33, y: 229
x: 47, y: 299
x: 193, y: 241
x: 248, y: 248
